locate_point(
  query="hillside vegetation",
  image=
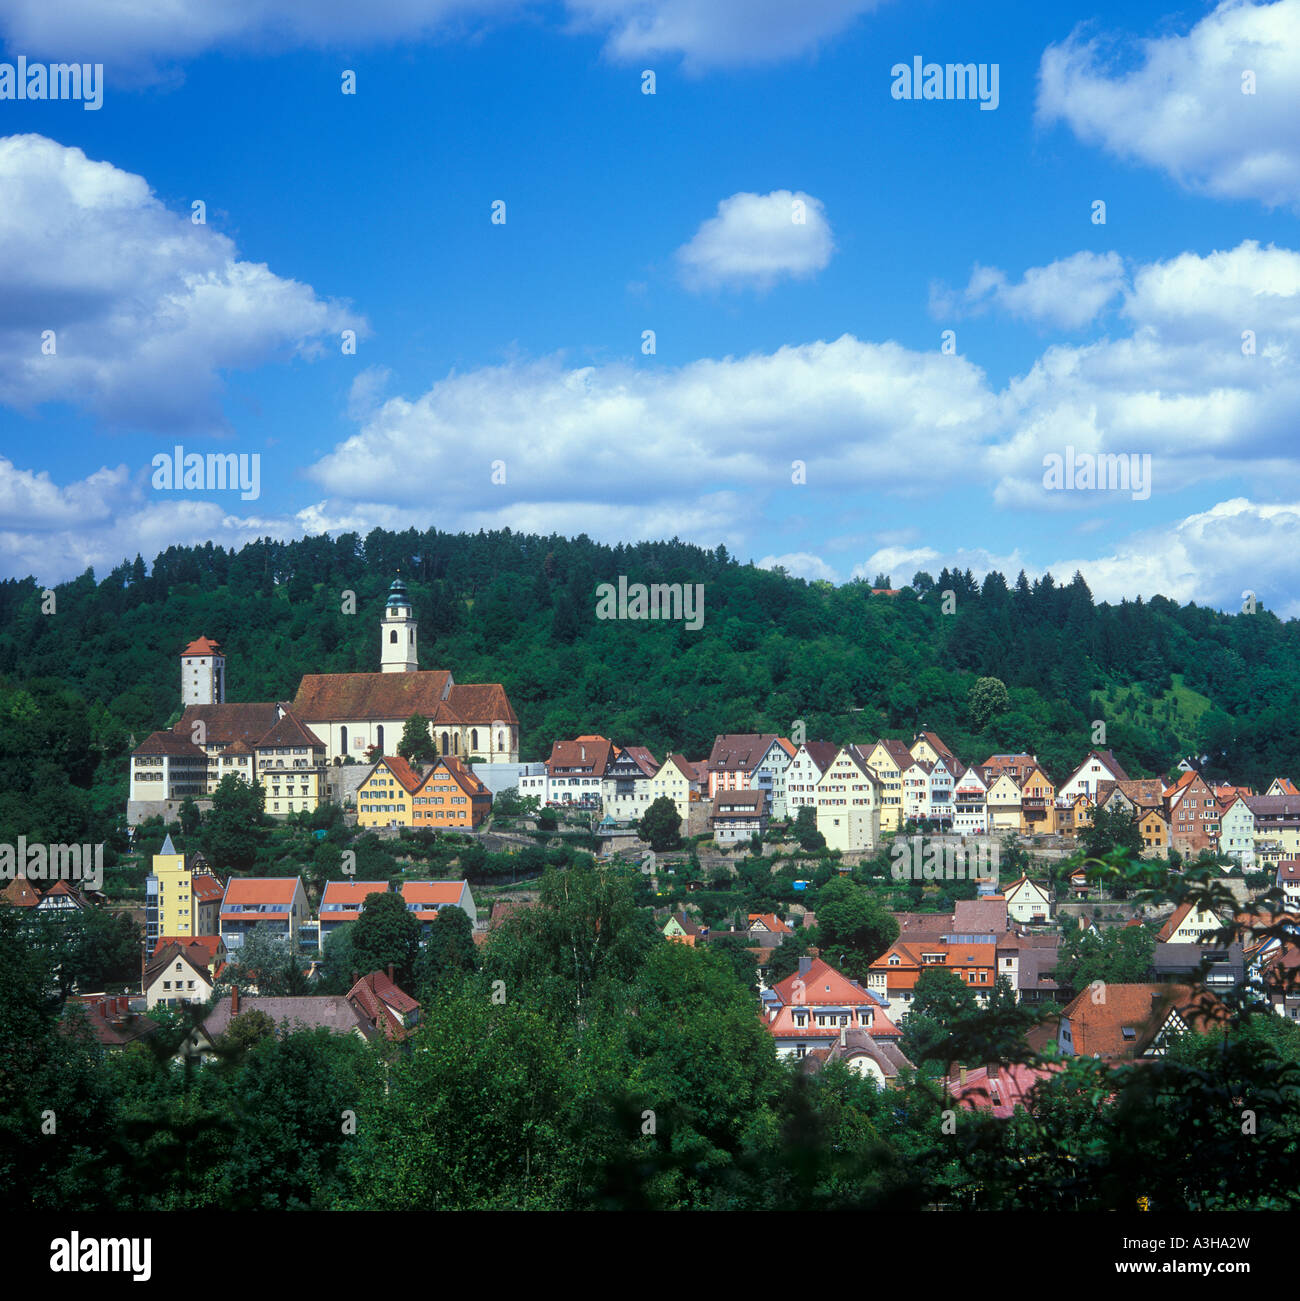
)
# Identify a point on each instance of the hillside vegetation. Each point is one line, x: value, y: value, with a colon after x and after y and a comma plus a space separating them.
x: 77, y: 684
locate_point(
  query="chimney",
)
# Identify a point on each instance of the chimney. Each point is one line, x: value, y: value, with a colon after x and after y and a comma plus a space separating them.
x: 234, y: 1000
x: 390, y: 974
x: 844, y: 1035
x: 961, y: 1078
x: 804, y: 965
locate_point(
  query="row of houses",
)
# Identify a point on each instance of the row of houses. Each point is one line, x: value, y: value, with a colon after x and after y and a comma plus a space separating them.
x: 184, y: 900
x: 860, y: 792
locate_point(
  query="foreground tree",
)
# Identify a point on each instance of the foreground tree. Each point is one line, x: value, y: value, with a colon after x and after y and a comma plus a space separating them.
x: 661, y: 824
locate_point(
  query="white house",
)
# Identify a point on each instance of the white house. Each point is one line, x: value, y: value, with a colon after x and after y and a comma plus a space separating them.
x: 969, y: 803
x: 1237, y: 833
x: 625, y: 788
x: 943, y: 779
x: 1027, y: 902
x: 1099, y: 766
x: 769, y: 775
x: 810, y: 760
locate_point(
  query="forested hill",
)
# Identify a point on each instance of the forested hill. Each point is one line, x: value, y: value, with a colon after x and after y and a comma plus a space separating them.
x: 520, y: 609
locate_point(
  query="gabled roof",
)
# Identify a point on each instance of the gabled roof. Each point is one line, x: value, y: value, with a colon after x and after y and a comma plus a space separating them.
x: 1104, y: 757
x: 771, y: 922
x: 642, y: 757
x: 739, y: 751
x: 335, y: 697
x: 897, y: 751
x: 290, y: 731
x: 202, y: 646
x: 380, y: 1005
x: 822, y: 753
x: 204, y: 947
x: 822, y: 984
x: 408, y: 778
x: 686, y: 923
x: 461, y: 775
x: 20, y: 892
x: 111, y: 1019
x: 683, y: 765
x: 171, y: 744
x: 585, y: 754
x: 310, y: 1012
x: 432, y: 895
x: 163, y: 958
x: 936, y: 744
x: 1285, y: 786
x: 1142, y: 792
x: 1273, y: 806
x: 206, y: 888
x: 1131, y: 1015
x: 351, y: 895
x: 261, y: 889
x: 225, y: 723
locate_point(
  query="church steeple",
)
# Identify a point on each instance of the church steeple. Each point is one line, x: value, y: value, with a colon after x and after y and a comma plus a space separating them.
x: 399, y: 652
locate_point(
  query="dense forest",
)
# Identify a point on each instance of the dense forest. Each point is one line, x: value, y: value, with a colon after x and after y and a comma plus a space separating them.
x: 84, y: 673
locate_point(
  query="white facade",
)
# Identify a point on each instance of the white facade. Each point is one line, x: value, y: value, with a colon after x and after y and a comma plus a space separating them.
x: 769, y: 775
x: 203, y: 679
x: 940, y: 791
x: 399, y: 652
x: 1087, y: 777
x: 1237, y: 833
x: 970, y: 809
x: 801, y: 779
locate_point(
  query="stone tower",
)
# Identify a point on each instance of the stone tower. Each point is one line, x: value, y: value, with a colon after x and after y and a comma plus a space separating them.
x: 203, y: 673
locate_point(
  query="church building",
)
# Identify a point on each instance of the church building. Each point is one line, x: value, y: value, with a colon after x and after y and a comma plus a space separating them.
x: 287, y: 745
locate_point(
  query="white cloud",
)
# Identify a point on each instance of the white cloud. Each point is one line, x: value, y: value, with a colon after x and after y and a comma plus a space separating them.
x: 1210, y: 557
x: 800, y: 564
x: 718, y: 31
x: 147, y: 308
x: 1178, y: 386
x: 756, y: 240
x: 1069, y: 292
x: 642, y: 436
x: 144, y: 32
x: 1177, y: 102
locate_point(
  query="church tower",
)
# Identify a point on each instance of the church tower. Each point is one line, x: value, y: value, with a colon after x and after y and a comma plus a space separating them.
x: 203, y: 673
x: 397, y: 631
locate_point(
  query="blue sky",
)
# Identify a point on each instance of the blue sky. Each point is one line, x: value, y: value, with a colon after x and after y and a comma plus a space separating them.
x: 775, y: 341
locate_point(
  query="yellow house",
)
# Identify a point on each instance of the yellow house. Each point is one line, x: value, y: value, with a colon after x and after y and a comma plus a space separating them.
x: 1189, y: 925
x: 889, y: 759
x: 385, y: 797
x: 182, y: 898
x: 1275, y: 843
x: 1004, y: 804
x: 675, y: 779
x: 1037, y: 804
x: 929, y: 747
x: 1155, y: 835
x: 848, y: 802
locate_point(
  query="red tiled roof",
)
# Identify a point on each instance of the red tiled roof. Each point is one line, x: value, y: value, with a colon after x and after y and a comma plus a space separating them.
x: 205, y: 887
x: 1097, y: 1029
x: 379, y: 1001
x: 265, y: 889
x: 226, y: 723
x: 202, y: 646
x: 21, y: 893
x: 205, y: 947
x: 173, y: 744
x: 462, y: 776
x: 409, y: 778
x: 772, y: 922
x: 352, y: 893
x: 588, y: 754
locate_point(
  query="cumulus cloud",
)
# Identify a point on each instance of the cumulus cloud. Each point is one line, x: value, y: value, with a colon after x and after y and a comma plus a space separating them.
x: 631, y: 436
x: 146, y: 308
x: 145, y: 32
x: 1177, y: 103
x: 800, y: 564
x: 1182, y: 385
x: 756, y: 240
x: 1068, y: 293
